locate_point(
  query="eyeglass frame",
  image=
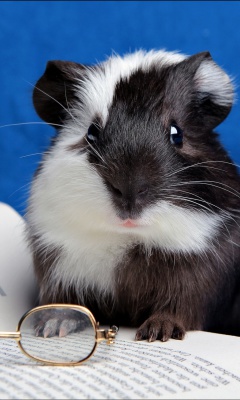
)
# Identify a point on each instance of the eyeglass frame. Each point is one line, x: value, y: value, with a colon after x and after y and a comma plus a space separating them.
x: 101, y: 335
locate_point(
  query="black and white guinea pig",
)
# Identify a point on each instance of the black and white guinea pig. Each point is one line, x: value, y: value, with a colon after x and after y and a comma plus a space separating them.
x: 134, y: 210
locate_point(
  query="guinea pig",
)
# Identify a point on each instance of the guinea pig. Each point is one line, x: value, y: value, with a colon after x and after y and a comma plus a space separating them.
x: 134, y: 209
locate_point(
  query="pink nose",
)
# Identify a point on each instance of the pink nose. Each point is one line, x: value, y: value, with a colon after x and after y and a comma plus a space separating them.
x: 128, y: 223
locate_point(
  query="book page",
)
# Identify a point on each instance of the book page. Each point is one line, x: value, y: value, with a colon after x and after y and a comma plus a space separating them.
x: 204, y: 365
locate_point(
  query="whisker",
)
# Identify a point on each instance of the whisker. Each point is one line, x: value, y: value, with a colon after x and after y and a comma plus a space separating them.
x: 65, y: 93
x: 30, y: 123
x: 201, y: 164
x: 189, y: 200
x: 30, y: 155
x: 201, y: 199
x: 100, y: 165
x: 22, y: 187
x: 228, y: 212
x: 228, y: 235
x: 95, y: 151
x: 210, y: 183
x: 212, y: 248
x: 95, y: 123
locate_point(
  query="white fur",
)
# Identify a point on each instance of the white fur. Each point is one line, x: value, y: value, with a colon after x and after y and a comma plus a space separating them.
x: 210, y: 78
x: 96, y: 87
x: 71, y: 209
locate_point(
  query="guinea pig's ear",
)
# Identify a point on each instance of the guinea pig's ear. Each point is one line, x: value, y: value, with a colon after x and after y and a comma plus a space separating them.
x: 214, y: 91
x: 54, y: 91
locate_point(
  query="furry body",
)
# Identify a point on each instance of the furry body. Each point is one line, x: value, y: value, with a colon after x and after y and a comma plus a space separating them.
x: 142, y: 231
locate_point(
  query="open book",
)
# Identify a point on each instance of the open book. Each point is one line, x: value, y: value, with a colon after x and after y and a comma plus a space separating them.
x: 203, y: 365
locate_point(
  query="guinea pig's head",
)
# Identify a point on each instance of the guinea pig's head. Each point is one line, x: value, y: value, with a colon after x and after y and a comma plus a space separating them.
x: 133, y: 135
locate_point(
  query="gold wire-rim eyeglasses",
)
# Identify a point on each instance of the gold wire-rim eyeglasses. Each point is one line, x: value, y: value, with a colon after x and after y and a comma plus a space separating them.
x: 107, y: 335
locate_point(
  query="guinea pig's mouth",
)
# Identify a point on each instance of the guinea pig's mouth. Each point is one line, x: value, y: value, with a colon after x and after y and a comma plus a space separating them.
x: 129, y: 223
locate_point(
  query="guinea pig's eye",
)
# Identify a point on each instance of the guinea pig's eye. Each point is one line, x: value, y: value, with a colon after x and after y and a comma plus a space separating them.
x: 176, y: 135
x: 93, y: 133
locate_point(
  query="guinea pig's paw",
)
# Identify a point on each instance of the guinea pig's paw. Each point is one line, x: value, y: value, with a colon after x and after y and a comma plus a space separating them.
x: 46, y: 328
x: 57, y: 327
x: 162, y: 327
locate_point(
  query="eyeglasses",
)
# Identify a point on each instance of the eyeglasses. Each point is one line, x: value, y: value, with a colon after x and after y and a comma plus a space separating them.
x: 59, y: 334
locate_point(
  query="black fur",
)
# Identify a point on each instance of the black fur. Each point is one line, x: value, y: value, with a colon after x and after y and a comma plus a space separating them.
x: 166, y: 293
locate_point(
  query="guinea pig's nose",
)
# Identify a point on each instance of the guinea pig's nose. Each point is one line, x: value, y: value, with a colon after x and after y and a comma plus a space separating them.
x: 131, y: 192
x: 130, y: 197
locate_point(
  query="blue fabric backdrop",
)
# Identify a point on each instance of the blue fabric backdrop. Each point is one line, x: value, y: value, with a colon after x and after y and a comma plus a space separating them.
x: 31, y: 33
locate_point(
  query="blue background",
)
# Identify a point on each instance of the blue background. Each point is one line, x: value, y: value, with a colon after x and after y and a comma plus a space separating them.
x: 31, y: 33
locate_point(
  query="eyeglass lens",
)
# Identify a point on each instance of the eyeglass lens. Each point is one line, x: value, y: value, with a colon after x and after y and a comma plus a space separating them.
x: 60, y: 335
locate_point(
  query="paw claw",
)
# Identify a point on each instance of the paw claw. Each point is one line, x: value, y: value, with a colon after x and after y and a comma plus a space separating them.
x: 160, y: 327
x: 151, y: 339
x: 46, y: 333
x: 50, y: 328
x: 67, y: 326
x: 138, y: 335
x: 58, y: 325
x: 178, y: 334
x: 153, y: 334
x: 164, y: 338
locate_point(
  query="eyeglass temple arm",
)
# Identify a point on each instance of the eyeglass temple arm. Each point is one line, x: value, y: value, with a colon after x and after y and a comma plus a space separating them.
x: 10, y: 335
x: 107, y: 334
